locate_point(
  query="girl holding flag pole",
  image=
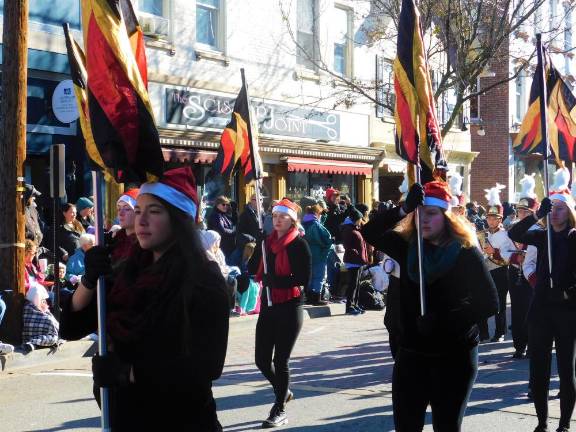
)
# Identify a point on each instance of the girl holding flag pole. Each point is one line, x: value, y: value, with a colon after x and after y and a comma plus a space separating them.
x: 443, y: 342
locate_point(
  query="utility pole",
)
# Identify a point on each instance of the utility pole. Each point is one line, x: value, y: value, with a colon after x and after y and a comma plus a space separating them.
x: 13, y: 144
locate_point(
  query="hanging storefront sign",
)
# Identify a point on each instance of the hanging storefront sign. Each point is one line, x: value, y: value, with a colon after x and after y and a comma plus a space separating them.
x: 64, y: 102
x: 197, y: 109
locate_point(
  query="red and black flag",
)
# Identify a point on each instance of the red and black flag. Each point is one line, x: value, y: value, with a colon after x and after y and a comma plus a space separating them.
x: 561, y: 117
x: 77, y: 62
x: 238, y: 144
x: 118, y: 102
x: 418, y: 138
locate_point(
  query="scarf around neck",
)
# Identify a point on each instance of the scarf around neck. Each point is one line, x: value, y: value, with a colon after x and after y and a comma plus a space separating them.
x: 436, y: 260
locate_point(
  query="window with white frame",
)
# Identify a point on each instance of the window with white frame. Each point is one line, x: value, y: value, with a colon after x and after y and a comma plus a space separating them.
x: 385, y: 96
x: 343, y: 41
x: 567, y: 36
x: 520, y: 97
x: 153, y: 16
x: 307, y: 33
x: 208, y: 23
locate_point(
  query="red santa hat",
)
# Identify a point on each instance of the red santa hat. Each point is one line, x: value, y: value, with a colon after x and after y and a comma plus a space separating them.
x: 288, y: 207
x: 564, y: 196
x: 129, y: 197
x: 178, y: 187
x: 436, y: 194
x: 330, y: 192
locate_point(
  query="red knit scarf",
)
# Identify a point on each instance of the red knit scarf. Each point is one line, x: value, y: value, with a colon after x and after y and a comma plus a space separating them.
x: 281, y: 265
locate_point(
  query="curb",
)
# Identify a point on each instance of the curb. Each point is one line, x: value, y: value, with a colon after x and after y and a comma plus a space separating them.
x: 87, y: 348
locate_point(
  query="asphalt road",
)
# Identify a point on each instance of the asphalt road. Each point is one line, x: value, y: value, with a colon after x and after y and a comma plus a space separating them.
x: 341, y: 371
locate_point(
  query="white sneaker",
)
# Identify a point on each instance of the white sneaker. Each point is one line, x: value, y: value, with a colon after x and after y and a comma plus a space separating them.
x: 6, y: 348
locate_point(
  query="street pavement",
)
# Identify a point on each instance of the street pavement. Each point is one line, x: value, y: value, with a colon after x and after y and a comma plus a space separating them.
x: 341, y: 377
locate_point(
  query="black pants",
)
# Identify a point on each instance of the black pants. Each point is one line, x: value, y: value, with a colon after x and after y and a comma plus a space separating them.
x: 276, y: 332
x: 545, y: 328
x: 500, y: 277
x: 521, y: 294
x: 444, y: 382
x: 352, y: 289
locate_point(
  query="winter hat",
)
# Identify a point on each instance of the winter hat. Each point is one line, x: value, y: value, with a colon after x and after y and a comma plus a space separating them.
x: 288, y: 207
x: 129, y: 197
x: 208, y: 238
x: 178, y: 187
x: 355, y: 214
x: 330, y: 192
x: 30, y: 191
x: 494, y: 204
x: 527, y: 203
x: 308, y: 201
x: 83, y: 203
x: 436, y: 194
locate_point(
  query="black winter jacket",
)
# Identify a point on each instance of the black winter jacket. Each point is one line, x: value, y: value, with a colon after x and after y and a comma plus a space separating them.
x: 455, y: 302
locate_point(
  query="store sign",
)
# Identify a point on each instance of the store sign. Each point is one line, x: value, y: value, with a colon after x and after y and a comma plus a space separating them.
x: 64, y: 102
x: 194, y: 109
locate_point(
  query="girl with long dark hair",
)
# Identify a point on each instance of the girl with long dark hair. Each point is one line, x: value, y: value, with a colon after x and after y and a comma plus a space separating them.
x: 437, y: 354
x: 289, y: 264
x: 552, y: 316
x: 166, y: 296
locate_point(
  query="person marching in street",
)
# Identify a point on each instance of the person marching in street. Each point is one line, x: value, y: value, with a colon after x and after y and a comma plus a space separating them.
x: 289, y: 265
x: 355, y: 256
x: 168, y: 291
x: 552, y: 315
x: 498, y: 248
x: 522, y: 276
x: 436, y: 361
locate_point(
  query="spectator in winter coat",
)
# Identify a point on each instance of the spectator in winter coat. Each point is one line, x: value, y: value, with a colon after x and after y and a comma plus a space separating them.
x: 75, y: 265
x: 221, y: 222
x: 247, y: 289
x: 268, y: 224
x: 335, y: 214
x: 320, y: 242
x: 69, y: 232
x: 32, y: 274
x: 85, y: 212
x: 211, y: 243
x: 355, y: 256
x: 40, y: 328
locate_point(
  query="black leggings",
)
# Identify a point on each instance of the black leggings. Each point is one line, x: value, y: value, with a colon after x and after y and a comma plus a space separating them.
x: 351, y: 290
x: 550, y: 326
x: 276, y: 332
x: 442, y: 381
x: 500, y: 277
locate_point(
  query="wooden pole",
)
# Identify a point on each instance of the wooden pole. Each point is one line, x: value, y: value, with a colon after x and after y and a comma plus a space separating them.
x: 13, y: 143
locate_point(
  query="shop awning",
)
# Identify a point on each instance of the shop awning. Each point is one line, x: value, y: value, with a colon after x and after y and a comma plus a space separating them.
x: 194, y: 156
x: 328, y: 166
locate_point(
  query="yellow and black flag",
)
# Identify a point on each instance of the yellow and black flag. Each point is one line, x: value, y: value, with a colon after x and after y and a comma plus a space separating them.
x: 418, y: 138
x: 77, y: 62
x: 561, y: 117
x: 238, y: 144
x: 118, y: 102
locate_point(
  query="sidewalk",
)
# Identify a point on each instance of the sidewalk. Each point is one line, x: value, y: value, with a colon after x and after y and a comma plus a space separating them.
x: 87, y: 348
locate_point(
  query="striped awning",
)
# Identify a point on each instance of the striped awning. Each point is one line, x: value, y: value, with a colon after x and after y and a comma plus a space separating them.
x: 185, y: 155
x: 326, y: 166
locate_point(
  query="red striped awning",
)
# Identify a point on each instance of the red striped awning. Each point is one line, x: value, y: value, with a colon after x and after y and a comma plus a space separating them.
x: 194, y: 156
x: 325, y: 166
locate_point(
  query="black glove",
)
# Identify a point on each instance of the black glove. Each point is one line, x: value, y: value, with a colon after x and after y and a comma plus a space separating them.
x: 110, y: 371
x: 545, y: 208
x: 97, y: 263
x: 260, y: 237
x: 267, y: 280
x: 427, y: 324
x: 414, y: 199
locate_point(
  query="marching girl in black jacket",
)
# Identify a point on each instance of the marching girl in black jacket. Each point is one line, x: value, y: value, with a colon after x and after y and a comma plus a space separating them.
x: 166, y: 297
x: 289, y: 264
x: 552, y: 316
x: 437, y: 358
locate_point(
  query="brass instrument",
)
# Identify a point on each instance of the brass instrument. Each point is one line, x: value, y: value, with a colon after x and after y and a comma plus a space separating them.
x: 483, y: 240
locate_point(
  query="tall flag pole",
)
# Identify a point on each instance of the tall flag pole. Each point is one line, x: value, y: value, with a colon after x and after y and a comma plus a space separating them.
x: 418, y: 138
x: 116, y: 116
x: 541, y: 77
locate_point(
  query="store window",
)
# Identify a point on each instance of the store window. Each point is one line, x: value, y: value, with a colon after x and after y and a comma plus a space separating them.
x: 53, y: 13
x: 307, y: 33
x: 302, y: 184
x: 208, y: 23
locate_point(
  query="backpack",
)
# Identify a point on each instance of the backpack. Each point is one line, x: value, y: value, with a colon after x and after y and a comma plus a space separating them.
x: 368, y: 297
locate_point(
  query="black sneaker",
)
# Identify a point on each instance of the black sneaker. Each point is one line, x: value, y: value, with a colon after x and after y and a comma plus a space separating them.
x: 276, y: 418
x: 541, y: 428
x: 563, y: 429
x: 518, y: 355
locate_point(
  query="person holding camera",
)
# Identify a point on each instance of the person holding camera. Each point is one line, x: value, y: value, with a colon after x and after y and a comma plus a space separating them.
x: 552, y: 316
x: 436, y: 359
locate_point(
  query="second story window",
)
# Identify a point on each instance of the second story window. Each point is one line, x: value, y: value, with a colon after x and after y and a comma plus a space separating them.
x: 385, y: 97
x: 520, y: 98
x: 153, y: 18
x: 208, y: 23
x: 343, y: 42
x: 306, y: 33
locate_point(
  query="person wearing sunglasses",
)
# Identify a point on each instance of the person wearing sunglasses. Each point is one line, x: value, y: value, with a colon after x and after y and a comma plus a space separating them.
x: 221, y: 222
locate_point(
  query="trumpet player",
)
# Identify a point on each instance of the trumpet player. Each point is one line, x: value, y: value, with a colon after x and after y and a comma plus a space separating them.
x: 497, y: 248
